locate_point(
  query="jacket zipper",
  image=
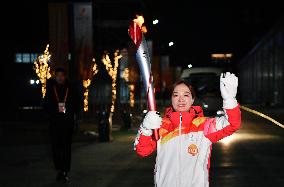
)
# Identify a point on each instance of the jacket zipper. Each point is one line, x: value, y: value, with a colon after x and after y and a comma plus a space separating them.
x: 179, y: 151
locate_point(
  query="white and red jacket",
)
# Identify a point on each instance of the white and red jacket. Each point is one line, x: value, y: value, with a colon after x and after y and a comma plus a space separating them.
x: 184, y: 147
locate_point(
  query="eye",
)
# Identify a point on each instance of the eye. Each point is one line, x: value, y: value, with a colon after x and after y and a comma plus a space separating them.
x: 175, y: 95
x: 186, y: 95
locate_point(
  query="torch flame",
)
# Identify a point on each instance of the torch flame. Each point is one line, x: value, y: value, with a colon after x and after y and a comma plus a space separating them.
x: 139, y: 20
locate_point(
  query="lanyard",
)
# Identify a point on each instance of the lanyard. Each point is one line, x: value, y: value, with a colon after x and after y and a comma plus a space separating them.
x: 56, y: 95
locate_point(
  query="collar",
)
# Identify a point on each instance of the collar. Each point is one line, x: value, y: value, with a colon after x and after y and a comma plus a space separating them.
x: 186, y: 117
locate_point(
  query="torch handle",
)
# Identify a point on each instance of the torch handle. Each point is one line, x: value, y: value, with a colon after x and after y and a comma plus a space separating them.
x: 152, y: 107
x: 156, y: 134
x: 149, y: 87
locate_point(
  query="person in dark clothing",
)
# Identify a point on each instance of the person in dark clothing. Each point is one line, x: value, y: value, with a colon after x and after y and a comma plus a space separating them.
x: 126, y: 118
x: 103, y: 126
x: 60, y: 104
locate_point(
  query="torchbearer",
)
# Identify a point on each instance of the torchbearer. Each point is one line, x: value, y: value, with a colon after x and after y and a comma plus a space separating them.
x: 186, y: 136
x: 136, y: 30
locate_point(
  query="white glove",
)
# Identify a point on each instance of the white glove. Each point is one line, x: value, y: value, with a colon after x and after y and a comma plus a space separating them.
x: 151, y: 121
x: 228, y: 88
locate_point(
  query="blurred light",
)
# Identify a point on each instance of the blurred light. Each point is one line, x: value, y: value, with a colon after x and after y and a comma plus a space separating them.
x: 32, y: 81
x: 145, y: 111
x: 220, y: 112
x: 132, y: 96
x: 189, y: 66
x: 217, y: 55
x: 229, y: 55
x: 205, y: 105
x: 125, y: 74
x: 95, y: 67
x: 221, y: 55
x: 139, y: 20
x: 30, y: 108
x: 86, y: 84
x: 42, y: 68
x: 37, y: 81
x: 156, y: 21
x: 263, y: 116
x: 112, y: 70
x: 130, y: 115
x: 171, y: 44
x: 247, y: 137
x: 228, y: 140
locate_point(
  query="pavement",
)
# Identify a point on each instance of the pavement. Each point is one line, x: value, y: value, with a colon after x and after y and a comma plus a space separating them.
x: 253, y: 157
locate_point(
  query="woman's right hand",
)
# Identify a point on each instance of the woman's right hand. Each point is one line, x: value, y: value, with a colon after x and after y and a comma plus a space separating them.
x: 152, y: 120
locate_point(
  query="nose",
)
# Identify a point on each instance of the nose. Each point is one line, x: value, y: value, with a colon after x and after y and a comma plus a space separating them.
x: 181, y: 98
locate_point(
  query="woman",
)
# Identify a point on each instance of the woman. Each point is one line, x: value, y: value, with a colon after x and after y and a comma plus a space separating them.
x: 186, y: 137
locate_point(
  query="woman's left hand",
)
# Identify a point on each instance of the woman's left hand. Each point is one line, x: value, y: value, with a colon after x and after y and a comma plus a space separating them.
x: 228, y: 88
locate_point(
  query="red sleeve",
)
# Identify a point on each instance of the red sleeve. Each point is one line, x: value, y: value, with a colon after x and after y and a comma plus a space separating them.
x: 216, y: 129
x: 146, y: 145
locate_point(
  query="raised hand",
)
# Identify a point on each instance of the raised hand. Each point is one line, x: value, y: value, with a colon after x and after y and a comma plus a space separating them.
x: 228, y: 88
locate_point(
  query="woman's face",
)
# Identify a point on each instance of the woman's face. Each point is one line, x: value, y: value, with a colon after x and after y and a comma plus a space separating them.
x: 181, y: 98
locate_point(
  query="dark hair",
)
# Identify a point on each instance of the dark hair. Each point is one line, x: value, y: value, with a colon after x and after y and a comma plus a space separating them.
x: 58, y: 70
x: 188, y: 85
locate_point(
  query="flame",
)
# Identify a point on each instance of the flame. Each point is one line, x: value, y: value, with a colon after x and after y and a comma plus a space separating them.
x: 139, y: 20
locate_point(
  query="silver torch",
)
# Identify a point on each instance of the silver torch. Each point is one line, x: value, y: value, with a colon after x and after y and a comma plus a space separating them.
x: 142, y: 56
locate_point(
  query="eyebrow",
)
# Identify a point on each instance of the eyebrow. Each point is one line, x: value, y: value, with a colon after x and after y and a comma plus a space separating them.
x: 178, y: 92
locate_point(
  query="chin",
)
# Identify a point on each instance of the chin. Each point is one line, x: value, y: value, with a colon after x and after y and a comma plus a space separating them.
x: 182, y: 109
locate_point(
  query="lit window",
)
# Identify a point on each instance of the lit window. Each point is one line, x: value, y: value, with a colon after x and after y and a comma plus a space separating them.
x: 26, y: 58
x: 33, y: 57
x: 19, y: 58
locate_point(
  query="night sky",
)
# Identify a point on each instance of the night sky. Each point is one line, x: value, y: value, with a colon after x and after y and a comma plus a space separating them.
x: 198, y: 28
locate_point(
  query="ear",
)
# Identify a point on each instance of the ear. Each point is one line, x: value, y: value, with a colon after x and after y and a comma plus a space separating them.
x: 192, y: 101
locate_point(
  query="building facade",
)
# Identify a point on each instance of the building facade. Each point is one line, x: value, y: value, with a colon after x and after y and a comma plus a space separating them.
x: 261, y: 71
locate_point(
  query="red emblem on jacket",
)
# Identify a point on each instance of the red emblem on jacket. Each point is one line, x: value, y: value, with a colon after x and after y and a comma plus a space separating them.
x: 192, y: 149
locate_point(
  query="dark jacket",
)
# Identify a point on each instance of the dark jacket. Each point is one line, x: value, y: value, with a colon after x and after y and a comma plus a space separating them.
x: 51, y: 103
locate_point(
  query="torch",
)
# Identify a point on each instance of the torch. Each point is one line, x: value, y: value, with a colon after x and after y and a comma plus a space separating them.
x: 142, y: 56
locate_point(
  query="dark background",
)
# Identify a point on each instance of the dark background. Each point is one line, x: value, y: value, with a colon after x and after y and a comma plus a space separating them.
x: 198, y: 28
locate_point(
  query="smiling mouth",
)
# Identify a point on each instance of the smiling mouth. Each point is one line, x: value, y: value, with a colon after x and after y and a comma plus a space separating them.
x: 181, y: 105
